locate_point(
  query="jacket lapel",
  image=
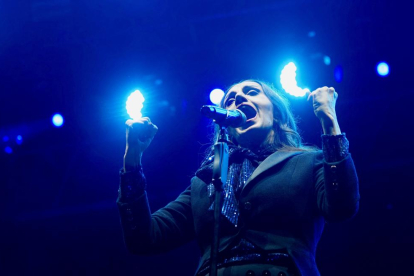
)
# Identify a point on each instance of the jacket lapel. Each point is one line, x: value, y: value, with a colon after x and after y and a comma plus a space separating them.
x: 270, y: 162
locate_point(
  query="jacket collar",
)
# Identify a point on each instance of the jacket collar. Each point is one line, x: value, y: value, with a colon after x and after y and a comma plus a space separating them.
x: 271, y: 161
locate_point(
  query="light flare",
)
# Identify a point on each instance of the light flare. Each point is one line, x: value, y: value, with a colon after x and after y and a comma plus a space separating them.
x: 134, y: 104
x: 216, y: 95
x: 289, y: 83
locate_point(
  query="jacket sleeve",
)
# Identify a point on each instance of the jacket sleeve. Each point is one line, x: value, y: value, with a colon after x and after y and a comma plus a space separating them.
x: 336, y: 186
x: 166, y: 229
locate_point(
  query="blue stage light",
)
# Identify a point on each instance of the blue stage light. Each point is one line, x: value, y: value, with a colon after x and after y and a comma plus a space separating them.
x: 134, y: 104
x: 6, y: 138
x: 8, y: 150
x: 383, y: 69
x: 19, y: 139
x: 57, y: 120
x: 338, y: 73
x: 216, y: 95
x: 158, y: 81
x: 289, y: 83
x: 327, y: 60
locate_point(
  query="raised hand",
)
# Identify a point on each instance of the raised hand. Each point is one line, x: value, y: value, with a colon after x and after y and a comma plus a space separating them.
x: 139, y: 134
x: 324, y: 101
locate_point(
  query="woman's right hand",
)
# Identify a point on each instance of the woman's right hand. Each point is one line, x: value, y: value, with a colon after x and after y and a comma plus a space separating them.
x: 139, y: 134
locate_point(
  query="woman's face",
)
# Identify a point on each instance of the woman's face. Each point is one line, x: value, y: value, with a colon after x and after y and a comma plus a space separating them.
x: 249, y: 97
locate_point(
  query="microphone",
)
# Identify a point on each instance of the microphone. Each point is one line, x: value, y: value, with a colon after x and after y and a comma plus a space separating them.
x: 224, y: 117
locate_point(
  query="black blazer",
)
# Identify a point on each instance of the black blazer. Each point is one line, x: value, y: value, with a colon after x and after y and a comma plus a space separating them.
x: 283, y: 206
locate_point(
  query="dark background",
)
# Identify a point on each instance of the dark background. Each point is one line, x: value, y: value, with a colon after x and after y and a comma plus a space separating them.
x: 83, y: 58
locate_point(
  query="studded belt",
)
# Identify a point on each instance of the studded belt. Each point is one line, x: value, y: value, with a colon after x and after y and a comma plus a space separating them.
x: 276, y: 258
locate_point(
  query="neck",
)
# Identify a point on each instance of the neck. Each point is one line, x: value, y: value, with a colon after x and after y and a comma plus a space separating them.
x: 261, y: 145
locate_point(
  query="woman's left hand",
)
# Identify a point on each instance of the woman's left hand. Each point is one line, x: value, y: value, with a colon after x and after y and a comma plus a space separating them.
x: 324, y: 100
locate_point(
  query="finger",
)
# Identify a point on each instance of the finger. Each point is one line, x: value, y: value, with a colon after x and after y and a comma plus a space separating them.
x: 136, y: 123
x: 147, y: 136
x: 308, y: 93
x: 147, y: 131
x: 313, y: 94
x: 153, y: 130
x: 146, y: 120
x: 129, y: 122
x: 332, y: 91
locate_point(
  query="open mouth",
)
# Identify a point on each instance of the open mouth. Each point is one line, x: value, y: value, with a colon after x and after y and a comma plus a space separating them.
x: 248, y: 111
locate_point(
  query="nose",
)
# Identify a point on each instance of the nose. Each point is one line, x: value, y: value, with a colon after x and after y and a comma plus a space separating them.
x: 240, y: 98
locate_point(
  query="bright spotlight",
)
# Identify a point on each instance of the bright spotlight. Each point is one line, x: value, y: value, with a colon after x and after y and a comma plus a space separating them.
x: 383, y: 69
x: 8, y: 150
x: 216, y: 95
x: 327, y: 60
x: 19, y: 139
x: 338, y: 73
x: 134, y: 104
x: 57, y: 120
x: 288, y: 81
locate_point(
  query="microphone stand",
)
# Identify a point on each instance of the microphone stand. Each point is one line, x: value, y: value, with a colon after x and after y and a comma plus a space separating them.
x: 220, y: 167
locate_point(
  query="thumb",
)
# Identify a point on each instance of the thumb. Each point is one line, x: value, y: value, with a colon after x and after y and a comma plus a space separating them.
x: 309, y: 94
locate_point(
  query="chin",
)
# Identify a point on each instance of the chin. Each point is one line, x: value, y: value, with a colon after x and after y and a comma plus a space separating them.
x: 251, y: 137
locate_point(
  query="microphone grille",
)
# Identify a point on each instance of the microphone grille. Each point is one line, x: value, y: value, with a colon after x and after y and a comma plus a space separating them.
x: 207, y: 109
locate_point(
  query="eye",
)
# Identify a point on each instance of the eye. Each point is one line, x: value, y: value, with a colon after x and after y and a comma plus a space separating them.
x: 252, y: 92
x: 229, y: 102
